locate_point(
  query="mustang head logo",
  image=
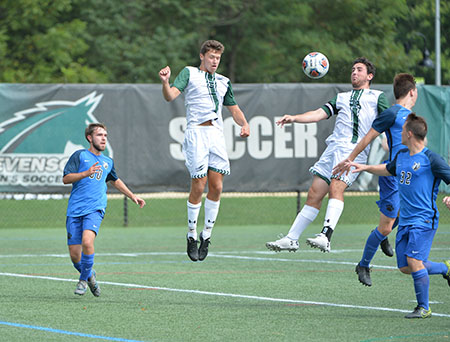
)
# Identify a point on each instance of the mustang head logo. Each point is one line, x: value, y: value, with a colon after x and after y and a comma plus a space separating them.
x: 36, y: 143
x: 50, y: 127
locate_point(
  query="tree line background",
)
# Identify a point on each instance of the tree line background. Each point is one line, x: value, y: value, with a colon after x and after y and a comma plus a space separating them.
x: 128, y: 41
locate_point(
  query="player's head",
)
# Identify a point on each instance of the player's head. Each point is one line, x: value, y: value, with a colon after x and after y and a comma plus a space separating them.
x: 403, y: 85
x: 96, y: 135
x: 363, y: 71
x: 416, y: 125
x: 210, y: 54
x: 213, y: 45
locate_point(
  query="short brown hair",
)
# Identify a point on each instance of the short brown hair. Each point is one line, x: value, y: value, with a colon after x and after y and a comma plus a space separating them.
x: 416, y: 125
x: 403, y: 83
x: 212, y: 45
x: 92, y: 127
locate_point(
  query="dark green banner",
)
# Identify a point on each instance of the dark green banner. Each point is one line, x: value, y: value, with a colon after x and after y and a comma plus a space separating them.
x: 42, y: 124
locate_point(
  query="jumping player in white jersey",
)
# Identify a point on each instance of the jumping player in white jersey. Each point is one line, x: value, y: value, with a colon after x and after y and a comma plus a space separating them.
x: 355, y: 111
x: 206, y: 92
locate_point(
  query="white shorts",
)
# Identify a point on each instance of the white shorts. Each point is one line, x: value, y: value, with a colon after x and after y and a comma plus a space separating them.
x: 204, y: 149
x: 332, y: 156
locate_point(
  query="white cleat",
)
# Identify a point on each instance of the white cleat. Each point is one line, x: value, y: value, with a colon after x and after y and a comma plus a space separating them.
x: 283, y: 244
x: 320, y: 241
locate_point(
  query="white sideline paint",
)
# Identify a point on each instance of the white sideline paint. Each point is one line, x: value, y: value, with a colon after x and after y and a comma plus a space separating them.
x: 222, y: 294
x: 225, y: 255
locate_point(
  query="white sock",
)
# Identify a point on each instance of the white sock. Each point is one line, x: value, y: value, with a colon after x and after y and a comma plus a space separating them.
x: 303, y: 219
x: 211, y: 211
x: 192, y: 212
x: 334, y: 211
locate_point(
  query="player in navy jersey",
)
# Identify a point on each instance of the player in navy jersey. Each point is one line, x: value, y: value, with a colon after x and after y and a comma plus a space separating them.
x: 205, y: 94
x: 419, y: 172
x: 389, y: 122
x: 88, y: 171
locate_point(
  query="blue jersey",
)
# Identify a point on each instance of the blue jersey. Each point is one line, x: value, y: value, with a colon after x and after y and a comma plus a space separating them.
x: 418, y: 178
x: 88, y: 194
x: 391, y: 122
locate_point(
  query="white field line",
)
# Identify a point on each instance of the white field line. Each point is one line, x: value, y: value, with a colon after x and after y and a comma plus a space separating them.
x: 224, y: 255
x: 217, y: 255
x: 222, y: 294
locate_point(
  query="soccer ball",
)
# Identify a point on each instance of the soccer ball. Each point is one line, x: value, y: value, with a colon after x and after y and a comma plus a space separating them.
x: 315, y: 65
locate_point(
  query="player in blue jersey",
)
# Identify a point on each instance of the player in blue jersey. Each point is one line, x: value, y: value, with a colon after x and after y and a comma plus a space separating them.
x: 88, y: 171
x: 205, y: 94
x: 419, y: 172
x: 389, y: 122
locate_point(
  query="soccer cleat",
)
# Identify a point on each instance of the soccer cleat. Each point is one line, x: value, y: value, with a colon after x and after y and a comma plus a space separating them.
x: 320, y: 241
x: 419, y: 312
x: 93, y: 285
x: 192, y: 249
x: 363, y: 275
x: 447, y: 276
x: 203, y: 249
x: 81, y: 288
x: 387, y: 248
x: 283, y: 244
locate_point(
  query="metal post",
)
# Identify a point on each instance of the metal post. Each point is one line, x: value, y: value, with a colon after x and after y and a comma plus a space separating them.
x: 125, y: 211
x: 437, y: 39
x: 298, y: 201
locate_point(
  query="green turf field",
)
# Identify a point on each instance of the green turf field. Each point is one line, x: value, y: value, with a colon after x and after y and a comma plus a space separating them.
x: 159, y: 212
x: 241, y: 292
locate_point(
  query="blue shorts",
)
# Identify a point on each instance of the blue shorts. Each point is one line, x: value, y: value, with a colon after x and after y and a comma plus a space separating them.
x: 414, y: 242
x: 389, y: 202
x: 76, y: 225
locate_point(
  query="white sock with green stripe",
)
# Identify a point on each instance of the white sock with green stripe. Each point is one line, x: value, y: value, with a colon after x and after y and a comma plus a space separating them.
x: 211, y: 212
x: 334, y: 211
x: 302, y: 221
x: 192, y: 212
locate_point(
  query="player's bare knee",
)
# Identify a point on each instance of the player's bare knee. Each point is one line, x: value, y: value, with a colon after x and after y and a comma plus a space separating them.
x: 405, y: 270
x: 385, y: 230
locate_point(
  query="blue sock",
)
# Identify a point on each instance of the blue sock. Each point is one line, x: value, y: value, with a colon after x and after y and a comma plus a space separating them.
x: 421, y: 286
x: 371, y: 247
x: 87, y: 261
x: 435, y: 267
x: 77, y: 266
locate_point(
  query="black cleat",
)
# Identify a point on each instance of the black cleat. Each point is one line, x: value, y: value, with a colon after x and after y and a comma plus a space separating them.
x: 203, y: 250
x: 387, y: 248
x: 419, y: 312
x: 363, y: 275
x: 192, y: 250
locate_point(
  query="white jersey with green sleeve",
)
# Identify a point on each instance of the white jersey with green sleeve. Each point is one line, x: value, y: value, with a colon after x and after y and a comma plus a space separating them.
x: 204, y: 95
x: 355, y: 111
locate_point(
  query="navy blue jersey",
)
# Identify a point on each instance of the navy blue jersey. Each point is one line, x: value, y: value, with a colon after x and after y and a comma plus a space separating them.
x: 391, y: 122
x: 89, y: 194
x: 418, y: 178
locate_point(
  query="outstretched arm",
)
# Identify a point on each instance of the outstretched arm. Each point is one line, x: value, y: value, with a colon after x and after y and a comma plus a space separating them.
x: 308, y: 117
x: 169, y: 93
x: 343, y: 166
x: 379, y: 169
x: 239, y: 118
x: 119, y: 185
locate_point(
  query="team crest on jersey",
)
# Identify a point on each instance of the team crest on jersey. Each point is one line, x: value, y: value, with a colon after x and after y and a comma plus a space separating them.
x: 105, y: 165
x: 36, y: 143
x: 416, y: 166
